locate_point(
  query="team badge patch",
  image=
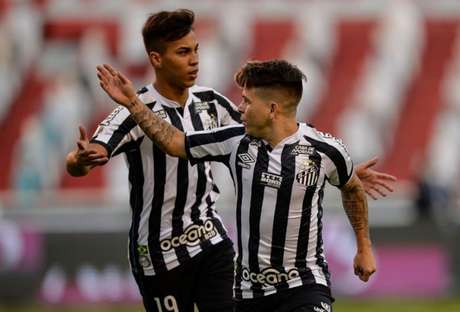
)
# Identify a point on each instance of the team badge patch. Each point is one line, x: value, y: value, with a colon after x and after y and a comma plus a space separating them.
x: 144, y: 256
x: 308, y: 173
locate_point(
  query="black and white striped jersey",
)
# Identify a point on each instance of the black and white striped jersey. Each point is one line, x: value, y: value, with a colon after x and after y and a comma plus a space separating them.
x: 172, y: 202
x: 278, y: 210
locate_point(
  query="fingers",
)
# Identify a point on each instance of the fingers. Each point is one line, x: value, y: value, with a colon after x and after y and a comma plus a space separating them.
x: 363, y: 274
x: 370, y: 163
x: 371, y: 195
x: 83, y: 135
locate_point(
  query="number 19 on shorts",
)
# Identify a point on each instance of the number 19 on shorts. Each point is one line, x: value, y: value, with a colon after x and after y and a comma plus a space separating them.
x: 169, y: 304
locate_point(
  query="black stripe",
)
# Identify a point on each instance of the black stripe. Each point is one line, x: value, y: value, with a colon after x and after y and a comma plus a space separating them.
x: 304, y: 228
x: 159, y: 181
x: 336, y: 157
x: 283, y: 200
x: 321, y: 262
x: 220, y: 135
x: 242, y: 148
x: 181, y: 191
x: 196, y: 120
x: 255, y: 211
x: 136, y: 201
x: 199, y: 194
x: 226, y: 104
x: 127, y: 125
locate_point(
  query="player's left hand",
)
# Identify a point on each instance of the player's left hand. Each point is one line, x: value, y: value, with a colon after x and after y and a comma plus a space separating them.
x: 364, y: 264
x: 116, y: 85
x: 375, y: 183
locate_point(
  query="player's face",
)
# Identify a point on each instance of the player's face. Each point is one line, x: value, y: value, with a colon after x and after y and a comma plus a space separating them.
x: 256, y: 114
x: 179, y: 62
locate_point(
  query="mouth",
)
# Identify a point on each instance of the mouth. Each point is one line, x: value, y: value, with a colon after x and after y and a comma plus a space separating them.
x: 193, y: 74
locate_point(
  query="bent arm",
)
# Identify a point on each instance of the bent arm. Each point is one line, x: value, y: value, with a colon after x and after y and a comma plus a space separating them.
x: 78, y: 165
x: 167, y: 137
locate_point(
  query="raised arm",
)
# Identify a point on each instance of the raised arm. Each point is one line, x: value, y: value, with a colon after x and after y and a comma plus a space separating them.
x: 121, y: 90
x: 355, y: 205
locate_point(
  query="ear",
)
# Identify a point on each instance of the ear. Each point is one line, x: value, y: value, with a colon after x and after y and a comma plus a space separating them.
x: 155, y: 59
x: 274, y: 107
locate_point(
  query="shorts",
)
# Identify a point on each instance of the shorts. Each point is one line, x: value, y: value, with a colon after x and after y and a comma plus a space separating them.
x: 205, y: 280
x: 307, y: 298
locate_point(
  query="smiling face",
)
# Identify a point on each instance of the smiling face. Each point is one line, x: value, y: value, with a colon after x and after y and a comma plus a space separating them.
x: 177, y: 64
x: 257, y: 112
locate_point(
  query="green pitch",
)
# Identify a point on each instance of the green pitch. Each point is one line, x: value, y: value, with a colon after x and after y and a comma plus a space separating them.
x: 451, y: 305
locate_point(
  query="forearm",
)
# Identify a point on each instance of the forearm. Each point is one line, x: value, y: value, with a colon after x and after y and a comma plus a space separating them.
x: 166, y: 136
x: 355, y: 205
x: 74, y: 168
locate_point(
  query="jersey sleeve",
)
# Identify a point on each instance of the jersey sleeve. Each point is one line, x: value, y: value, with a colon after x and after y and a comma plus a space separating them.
x: 212, y: 145
x: 117, y: 129
x: 337, y: 161
x: 228, y: 112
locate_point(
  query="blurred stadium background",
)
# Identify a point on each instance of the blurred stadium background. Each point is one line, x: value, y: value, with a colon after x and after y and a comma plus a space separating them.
x: 382, y: 75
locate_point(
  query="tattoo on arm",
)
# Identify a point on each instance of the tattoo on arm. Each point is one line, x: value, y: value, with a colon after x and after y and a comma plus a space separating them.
x: 160, y: 131
x: 355, y: 205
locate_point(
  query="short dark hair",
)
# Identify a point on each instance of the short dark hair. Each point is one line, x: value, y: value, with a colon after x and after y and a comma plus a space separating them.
x: 271, y: 74
x: 166, y: 26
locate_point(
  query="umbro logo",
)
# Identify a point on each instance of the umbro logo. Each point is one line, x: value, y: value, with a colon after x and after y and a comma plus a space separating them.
x: 245, y: 159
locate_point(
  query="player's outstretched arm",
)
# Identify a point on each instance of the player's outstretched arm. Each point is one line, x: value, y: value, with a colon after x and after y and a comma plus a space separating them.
x: 121, y: 90
x: 87, y: 156
x: 355, y: 205
x: 375, y: 183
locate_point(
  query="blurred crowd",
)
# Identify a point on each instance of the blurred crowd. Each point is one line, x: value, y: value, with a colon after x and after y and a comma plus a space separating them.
x: 382, y: 75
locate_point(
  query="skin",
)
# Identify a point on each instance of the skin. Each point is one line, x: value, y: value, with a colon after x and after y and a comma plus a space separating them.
x: 271, y: 120
x: 176, y: 69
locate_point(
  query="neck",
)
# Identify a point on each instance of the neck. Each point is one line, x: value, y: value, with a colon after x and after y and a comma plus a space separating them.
x: 171, y: 92
x: 280, y: 129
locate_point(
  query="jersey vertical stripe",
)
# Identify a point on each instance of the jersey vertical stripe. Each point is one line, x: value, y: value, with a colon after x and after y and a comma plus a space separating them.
x: 279, y: 203
x: 173, y: 202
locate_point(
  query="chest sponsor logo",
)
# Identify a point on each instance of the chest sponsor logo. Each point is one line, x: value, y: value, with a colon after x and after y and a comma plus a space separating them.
x: 201, y: 106
x: 269, y: 276
x: 271, y: 180
x: 303, y: 150
x: 161, y: 113
x: 308, y: 172
x: 192, y: 236
x: 245, y: 160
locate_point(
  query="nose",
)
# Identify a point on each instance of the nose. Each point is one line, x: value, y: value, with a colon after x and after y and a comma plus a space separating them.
x: 194, y: 59
x: 241, y: 107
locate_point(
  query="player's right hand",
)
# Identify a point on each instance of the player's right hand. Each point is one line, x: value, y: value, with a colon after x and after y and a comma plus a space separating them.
x: 116, y: 85
x: 85, y: 156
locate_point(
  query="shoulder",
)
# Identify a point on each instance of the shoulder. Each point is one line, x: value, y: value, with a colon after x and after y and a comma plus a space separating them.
x: 147, y: 96
x: 323, y: 141
x: 208, y: 94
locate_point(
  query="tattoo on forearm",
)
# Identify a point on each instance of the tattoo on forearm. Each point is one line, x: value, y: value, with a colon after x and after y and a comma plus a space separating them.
x: 355, y: 205
x: 154, y: 127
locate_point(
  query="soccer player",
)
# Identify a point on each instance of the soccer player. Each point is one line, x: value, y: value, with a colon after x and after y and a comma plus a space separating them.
x: 179, y: 250
x: 279, y: 167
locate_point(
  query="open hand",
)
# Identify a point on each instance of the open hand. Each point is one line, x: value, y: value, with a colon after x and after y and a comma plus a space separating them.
x: 374, y: 182
x: 116, y: 85
x: 86, y: 156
